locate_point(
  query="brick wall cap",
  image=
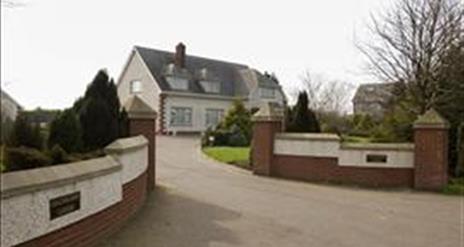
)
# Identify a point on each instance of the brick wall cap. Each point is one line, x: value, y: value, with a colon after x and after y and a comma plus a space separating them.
x: 137, y: 107
x: 308, y: 136
x: 431, y: 119
x: 122, y: 145
x: 269, y: 112
x: 27, y: 181
x: 379, y: 146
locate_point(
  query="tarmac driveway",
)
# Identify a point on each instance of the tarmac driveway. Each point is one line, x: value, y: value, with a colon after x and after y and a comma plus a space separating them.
x: 199, y: 202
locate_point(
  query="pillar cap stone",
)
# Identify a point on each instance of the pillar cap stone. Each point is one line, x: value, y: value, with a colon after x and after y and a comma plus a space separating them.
x: 431, y: 119
x: 269, y: 112
x: 138, y: 108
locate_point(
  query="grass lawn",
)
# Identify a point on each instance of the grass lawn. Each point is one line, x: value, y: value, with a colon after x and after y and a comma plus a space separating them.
x: 455, y: 187
x: 238, y: 156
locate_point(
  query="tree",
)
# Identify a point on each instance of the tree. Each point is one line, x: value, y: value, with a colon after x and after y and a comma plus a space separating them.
x: 304, y: 119
x: 66, y: 132
x: 327, y: 96
x: 99, y: 112
x: 238, y: 117
x: 123, y: 123
x: 411, y: 44
x: 24, y: 134
x: 419, y: 46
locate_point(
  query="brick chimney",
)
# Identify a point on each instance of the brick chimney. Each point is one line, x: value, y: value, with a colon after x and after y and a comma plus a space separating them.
x: 179, y: 57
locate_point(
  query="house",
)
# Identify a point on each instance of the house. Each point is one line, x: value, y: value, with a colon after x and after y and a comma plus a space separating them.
x: 10, y: 108
x: 41, y: 117
x: 373, y: 99
x: 192, y: 93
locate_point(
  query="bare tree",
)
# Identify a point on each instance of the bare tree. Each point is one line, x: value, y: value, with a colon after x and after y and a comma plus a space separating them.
x: 326, y: 95
x: 410, y: 45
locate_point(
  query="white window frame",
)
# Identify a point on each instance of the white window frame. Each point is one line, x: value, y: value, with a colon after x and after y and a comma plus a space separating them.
x: 135, y: 86
x: 219, y: 115
x: 180, y: 116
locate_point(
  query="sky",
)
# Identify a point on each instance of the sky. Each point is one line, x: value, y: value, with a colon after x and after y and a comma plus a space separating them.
x: 51, y: 49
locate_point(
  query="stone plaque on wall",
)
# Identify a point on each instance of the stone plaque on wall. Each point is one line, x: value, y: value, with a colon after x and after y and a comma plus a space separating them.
x: 63, y: 205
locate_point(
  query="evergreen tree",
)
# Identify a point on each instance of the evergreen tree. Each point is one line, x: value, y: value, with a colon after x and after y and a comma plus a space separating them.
x: 24, y: 134
x: 304, y: 119
x: 66, y: 131
x: 123, y: 123
x: 99, y: 112
x: 238, y: 117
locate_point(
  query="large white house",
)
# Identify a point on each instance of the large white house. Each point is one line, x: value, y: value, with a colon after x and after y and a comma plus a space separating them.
x: 192, y: 93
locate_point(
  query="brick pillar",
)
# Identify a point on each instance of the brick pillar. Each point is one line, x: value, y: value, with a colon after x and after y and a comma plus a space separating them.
x: 430, y: 151
x: 266, y: 122
x: 142, y: 121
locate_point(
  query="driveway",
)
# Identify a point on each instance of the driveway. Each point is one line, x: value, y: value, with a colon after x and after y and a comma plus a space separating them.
x: 199, y: 202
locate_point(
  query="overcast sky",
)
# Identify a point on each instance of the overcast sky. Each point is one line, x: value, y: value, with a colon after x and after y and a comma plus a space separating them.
x: 51, y: 49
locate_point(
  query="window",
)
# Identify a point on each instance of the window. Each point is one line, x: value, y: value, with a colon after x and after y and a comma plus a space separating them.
x: 267, y: 92
x: 213, y: 117
x: 135, y: 86
x: 177, y: 83
x: 181, y: 116
x: 210, y: 86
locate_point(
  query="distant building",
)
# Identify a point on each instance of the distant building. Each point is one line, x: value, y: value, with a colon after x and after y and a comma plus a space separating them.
x: 10, y: 108
x: 373, y: 99
x: 40, y: 116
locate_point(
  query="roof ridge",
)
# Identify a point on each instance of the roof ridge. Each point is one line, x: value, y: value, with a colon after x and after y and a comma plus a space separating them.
x: 193, y: 56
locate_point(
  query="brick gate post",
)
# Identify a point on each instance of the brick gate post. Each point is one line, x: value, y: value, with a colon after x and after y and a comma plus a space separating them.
x: 430, y: 151
x: 266, y: 122
x: 142, y: 121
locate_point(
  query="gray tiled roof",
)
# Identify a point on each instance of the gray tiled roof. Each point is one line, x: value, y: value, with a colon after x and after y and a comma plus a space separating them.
x: 374, y: 92
x: 233, y: 83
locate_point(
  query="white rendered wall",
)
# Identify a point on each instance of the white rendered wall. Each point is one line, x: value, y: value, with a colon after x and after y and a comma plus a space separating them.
x: 26, y: 215
x: 309, y: 145
x: 358, y: 157
x: 199, y: 106
x: 399, y: 155
x: 137, y: 70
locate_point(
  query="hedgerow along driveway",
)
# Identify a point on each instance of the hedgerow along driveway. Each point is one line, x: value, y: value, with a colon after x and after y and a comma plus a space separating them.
x: 200, y: 202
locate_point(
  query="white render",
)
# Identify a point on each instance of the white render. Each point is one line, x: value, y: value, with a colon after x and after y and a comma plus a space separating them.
x: 309, y: 146
x: 136, y: 70
x: 25, y: 214
x: 396, y: 158
x: 399, y: 155
x: 198, y: 106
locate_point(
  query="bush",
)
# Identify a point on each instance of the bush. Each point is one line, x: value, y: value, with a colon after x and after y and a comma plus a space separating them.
x: 237, y: 139
x: 25, y: 158
x: 58, y: 155
x: 234, y: 130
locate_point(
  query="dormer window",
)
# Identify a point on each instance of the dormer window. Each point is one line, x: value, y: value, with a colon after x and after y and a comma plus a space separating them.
x: 211, y: 86
x: 177, y: 83
x: 135, y: 86
x: 268, y: 93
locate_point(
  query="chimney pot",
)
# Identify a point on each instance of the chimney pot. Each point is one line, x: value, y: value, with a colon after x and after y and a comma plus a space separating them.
x: 179, y: 58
